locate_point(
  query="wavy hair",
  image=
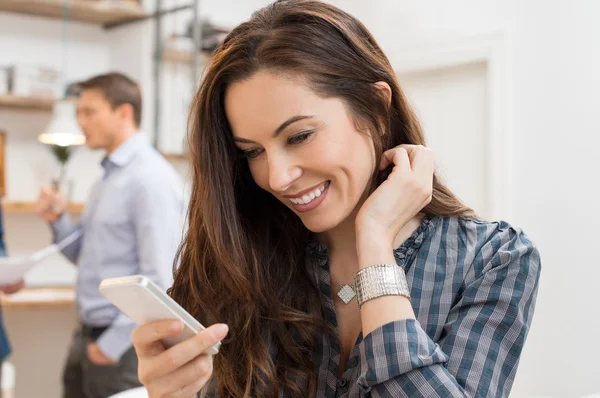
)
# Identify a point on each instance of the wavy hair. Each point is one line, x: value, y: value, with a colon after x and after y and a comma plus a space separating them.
x: 242, y: 259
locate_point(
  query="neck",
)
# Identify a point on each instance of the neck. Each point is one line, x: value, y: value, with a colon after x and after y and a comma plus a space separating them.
x: 341, y: 242
x: 123, y: 136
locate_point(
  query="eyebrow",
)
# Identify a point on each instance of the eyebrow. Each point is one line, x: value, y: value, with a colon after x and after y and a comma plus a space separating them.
x: 279, y: 129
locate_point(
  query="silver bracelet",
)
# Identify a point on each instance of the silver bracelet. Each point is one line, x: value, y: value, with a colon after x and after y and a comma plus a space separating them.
x: 380, y: 280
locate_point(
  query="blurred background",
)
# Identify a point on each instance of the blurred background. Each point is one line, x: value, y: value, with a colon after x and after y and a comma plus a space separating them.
x: 507, y: 92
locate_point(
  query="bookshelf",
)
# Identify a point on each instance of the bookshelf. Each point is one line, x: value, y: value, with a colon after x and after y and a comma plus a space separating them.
x: 94, y: 12
x: 25, y: 103
x: 29, y: 207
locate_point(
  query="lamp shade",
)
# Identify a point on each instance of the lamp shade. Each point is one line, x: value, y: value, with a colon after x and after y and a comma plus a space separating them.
x: 63, y: 129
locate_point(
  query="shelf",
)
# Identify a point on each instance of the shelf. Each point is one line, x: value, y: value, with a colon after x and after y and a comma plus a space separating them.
x: 45, y: 298
x: 26, y: 103
x: 184, y: 57
x: 176, y: 156
x: 29, y: 207
x: 90, y: 11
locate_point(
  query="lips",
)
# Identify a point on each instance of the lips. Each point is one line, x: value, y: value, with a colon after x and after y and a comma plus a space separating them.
x: 308, y: 196
x: 310, y: 199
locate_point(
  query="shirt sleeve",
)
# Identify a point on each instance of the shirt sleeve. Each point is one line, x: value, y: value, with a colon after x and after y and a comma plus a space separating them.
x: 484, y: 334
x: 158, y: 217
x: 62, y: 228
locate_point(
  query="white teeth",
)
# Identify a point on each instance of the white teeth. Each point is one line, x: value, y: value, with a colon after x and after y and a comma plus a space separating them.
x: 307, y: 198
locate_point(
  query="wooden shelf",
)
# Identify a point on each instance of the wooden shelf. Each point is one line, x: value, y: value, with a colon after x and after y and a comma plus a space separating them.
x: 90, y: 11
x: 39, y: 298
x: 184, y: 57
x: 26, y: 103
x: 176, y: 156
x: 29, y: 207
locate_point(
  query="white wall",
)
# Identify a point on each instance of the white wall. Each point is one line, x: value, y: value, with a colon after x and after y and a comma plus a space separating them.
x: 556, y: 129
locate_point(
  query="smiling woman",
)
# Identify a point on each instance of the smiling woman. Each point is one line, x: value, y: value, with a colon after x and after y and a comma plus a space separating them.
x: 321, y: 235
x: 308, y: 162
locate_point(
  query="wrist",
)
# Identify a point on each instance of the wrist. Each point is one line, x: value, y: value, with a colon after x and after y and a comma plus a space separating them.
x: 367, y: 232
x: 374, y: 249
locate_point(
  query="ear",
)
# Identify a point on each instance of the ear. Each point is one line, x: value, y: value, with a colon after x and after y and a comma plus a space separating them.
x: 386, y: 90
x: 125, y: 112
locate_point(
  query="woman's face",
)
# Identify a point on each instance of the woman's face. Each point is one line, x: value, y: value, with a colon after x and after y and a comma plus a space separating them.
x: 303, y: 149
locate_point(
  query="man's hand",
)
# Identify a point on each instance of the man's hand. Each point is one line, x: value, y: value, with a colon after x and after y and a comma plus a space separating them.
x: 96, y: 356
x: 12, y: 288
x: 50, y: 206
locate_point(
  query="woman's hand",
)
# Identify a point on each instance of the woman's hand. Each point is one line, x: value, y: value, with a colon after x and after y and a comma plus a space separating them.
x: 180, y: 371
x: 405, y: 192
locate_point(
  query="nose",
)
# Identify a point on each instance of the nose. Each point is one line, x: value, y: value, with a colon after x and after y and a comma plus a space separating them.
x: 283, y: 171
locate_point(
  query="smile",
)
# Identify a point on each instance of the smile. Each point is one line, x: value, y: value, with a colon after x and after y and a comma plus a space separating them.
x: 311, y: 199
x: 310, y: 196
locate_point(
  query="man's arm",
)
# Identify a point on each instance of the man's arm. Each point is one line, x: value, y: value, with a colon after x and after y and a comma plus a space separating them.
x: 158, y: 217
x: 51, y: 208
x: 62, y: 228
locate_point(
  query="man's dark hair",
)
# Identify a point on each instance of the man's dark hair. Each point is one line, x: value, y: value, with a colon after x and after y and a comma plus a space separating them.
x: 118, y: 89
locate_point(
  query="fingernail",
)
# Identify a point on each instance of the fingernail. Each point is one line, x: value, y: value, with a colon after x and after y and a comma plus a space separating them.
x: 175, y: 326
x: 220, y: 330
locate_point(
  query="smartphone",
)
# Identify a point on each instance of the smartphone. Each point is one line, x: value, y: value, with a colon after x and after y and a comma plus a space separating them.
x: 143, y: 301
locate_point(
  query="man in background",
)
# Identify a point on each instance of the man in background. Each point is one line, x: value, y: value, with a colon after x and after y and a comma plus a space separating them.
x: 132, y: 224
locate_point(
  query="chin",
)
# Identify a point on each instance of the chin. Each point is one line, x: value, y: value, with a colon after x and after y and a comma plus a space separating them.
x: 320, y: 224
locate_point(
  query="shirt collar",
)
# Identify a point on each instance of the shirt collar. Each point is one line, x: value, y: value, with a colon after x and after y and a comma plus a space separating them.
x: 319, y: 252
x: 125, y: 152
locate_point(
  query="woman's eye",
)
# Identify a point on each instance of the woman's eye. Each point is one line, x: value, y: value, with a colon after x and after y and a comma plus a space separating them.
x: 300, y: 137
x: 250, y: 153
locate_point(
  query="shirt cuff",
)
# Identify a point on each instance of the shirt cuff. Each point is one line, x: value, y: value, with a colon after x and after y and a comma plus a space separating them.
x: 61, y: 227
x: 116, y: 340
x: 395, y: 349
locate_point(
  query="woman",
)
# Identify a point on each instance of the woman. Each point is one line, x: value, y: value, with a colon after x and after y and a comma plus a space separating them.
x: 320, y: 234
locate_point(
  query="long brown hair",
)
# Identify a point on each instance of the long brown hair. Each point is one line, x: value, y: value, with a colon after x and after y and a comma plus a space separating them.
x: 242, y: 259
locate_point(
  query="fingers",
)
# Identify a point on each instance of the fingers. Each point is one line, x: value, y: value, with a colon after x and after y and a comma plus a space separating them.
x: 421, y: 160
x: 182, y: 353
x: 418, y: 156
x: 49, y: 204
x: 183, y: 369
x: 47, y: 192
x: 188, y: 379
x: 414, y: 164
x: 397, y: 156
x: 147, y: 338
x: 422, y: 164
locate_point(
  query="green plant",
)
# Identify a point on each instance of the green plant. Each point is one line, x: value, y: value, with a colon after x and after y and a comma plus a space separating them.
x: 62, y: 153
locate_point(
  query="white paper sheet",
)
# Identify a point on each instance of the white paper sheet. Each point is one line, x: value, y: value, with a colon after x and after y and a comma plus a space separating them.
x: 13, y: 269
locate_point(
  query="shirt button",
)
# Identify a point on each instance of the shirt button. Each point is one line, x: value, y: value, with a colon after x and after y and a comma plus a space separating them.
x: 342, y: 382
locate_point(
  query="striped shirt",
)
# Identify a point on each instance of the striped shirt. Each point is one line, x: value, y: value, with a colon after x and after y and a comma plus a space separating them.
x: 473, y: 287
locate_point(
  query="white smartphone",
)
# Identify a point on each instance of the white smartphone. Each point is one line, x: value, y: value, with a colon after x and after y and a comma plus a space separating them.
x: 143, y: 301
